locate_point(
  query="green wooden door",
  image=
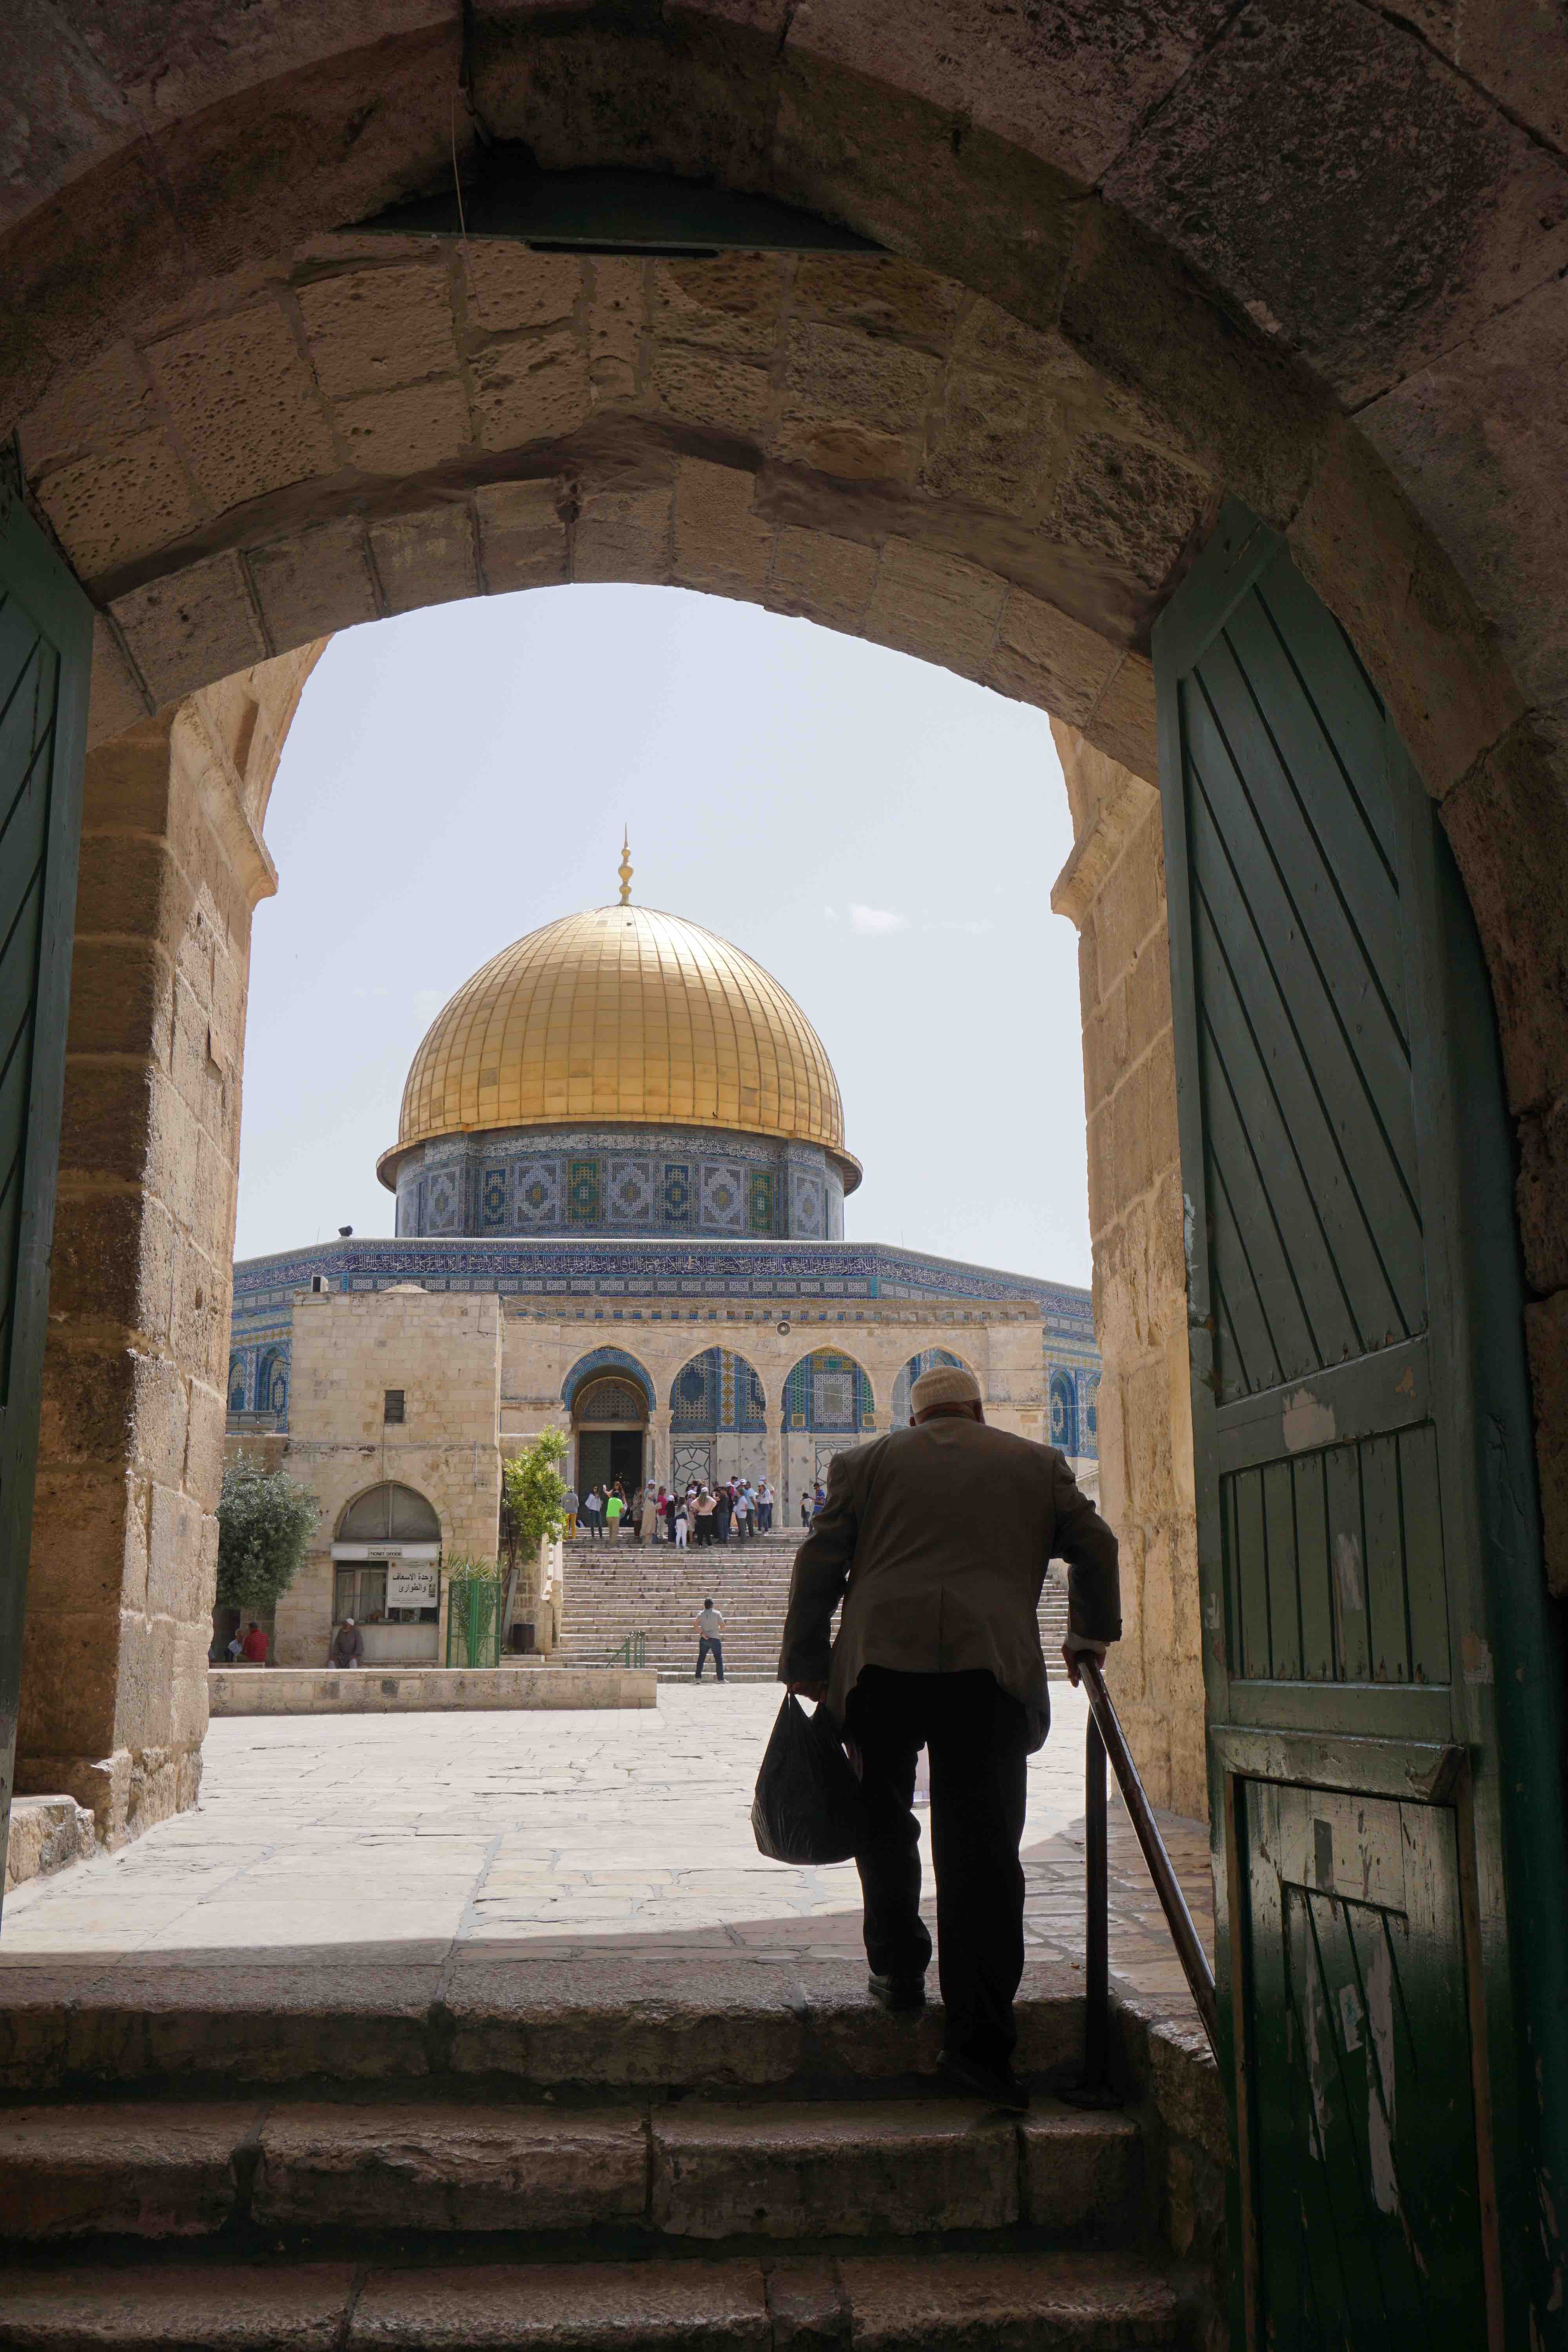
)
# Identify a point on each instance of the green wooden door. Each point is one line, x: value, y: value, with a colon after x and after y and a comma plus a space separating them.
x: 1379, y: 1660
x: 45, y: 658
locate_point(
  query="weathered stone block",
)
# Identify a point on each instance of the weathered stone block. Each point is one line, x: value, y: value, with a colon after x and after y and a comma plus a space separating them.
x: 624, y: 534
x: 1122, y: 723
x: 935, y: 606
x: 315, y: 583
x: 855, y: 406
x: 1043, y: 657
x: 117, y: 700
x: 617, y: 322
x: 195, y: 626
x: 371, y: 330
x: 713, y: 387
x: 992, y: 443
x: 112, y: 508
x: 731, y: 303
x: 426, y: 557
x: 506, y: 287
x: 174, y: 1564
x: 408, y: 432
x: 112, y: 1262
x: 139, y: 2172
x: 719, y: 2306
x: 788, y: 2171
x: 451, y: 2168
x: 719, y: 541
x: 244, y: 406
x: 533, y: 388
x: 1081, y: 2170
x: 522, y: 534
x: 827, y: 580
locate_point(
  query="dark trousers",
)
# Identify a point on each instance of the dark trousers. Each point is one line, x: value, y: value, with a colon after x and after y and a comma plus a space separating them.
x: 977, y: 1739
x: 717, y: 1645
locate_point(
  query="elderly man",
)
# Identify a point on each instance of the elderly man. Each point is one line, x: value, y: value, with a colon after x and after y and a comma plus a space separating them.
x: 936, y: 1538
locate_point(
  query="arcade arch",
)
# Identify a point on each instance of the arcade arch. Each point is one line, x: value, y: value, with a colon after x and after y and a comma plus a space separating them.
x: 909, y: 1374
x: 718, y: 1419
x: 828, y: 1406
x: 386, y: 1560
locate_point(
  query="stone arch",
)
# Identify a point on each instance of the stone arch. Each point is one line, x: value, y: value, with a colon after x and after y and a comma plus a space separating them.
x: 993, y: 446
x: 921, y: 1361
x: 238, y: 1384
x: 600, y: 1361
x: 826, y: 1406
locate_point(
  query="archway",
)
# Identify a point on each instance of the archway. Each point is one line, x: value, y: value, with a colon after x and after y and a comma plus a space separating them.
x: 827, y: 1407
x: 1009, y: 469
x: 386, y: 1575
x: 609, y: 1432
x: 909, y: 1374
x: 718, y: 1419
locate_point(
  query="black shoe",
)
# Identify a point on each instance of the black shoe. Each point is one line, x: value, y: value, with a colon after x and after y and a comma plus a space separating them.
x: 997, y: 2086
x: 899, y: 1994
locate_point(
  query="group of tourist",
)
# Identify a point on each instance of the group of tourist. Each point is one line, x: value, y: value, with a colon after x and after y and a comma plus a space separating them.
x: 654, y: 1514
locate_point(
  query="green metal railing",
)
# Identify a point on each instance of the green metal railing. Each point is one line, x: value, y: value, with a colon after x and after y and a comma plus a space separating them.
x: 474, y: 1620
x: 633, y: 1651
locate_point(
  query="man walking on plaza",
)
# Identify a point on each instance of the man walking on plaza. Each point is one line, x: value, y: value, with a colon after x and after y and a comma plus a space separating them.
x: 708, y: 1627
x: 936, y: 1538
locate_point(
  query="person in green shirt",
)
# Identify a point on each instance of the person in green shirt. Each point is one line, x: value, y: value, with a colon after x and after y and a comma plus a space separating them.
x: 615, y: 1504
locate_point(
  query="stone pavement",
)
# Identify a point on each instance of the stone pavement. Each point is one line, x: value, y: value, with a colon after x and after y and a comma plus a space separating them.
x: 400, y: 1840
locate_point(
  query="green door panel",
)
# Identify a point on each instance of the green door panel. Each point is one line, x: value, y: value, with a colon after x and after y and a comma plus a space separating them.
x: 46, y: 655
x: 1353, y: 1916
x: 1382, y: 1668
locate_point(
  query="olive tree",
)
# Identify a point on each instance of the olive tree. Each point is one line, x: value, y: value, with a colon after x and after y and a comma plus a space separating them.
x: 265, y: 1519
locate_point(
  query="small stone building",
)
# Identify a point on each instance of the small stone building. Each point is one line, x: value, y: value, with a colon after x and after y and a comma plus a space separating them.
x: 620, y: 1175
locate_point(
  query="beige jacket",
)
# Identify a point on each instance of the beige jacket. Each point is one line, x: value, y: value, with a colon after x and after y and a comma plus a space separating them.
x: 936, y: 1538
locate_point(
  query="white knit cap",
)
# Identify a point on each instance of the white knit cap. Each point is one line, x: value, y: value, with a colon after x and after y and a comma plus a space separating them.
x: 944, y: 1384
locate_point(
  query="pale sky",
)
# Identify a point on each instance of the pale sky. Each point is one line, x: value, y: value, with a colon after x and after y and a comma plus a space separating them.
x: 880, y: 836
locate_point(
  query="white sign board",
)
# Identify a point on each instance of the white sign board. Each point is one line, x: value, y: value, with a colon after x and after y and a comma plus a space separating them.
x: 411, y: 1585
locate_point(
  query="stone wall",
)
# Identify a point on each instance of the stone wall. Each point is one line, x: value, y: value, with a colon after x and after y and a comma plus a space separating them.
x: 445, y: 1354
x: 130, y: 1459
x: 1113, y: 889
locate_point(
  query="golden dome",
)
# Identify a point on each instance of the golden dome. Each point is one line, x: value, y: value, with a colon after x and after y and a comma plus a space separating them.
x: 622, y: 1013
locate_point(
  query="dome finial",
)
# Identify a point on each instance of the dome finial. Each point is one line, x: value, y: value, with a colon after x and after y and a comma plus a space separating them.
x: 626, y: 868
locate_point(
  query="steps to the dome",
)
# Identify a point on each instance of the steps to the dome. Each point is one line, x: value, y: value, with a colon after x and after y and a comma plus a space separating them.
x: 647, y: 1595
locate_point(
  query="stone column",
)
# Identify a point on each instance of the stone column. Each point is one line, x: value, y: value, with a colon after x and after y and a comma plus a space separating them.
x: 659, y: 1456
x: 1113, y: 889
x: 113, y: 1705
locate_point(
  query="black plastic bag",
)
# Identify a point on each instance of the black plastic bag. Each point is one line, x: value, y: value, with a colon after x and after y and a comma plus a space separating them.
x: 808, y: 1806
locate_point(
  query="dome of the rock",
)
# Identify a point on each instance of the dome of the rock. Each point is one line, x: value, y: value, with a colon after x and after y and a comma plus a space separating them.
x: 624, y: 1019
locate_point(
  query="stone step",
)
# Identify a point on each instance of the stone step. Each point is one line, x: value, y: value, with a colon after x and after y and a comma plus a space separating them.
x: 466, y: 2024
x: 903, y: 2302
x: 692, y: 2171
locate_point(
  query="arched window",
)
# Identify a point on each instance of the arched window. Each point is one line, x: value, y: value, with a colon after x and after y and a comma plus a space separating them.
x: 237, y: 1388
x: 389, y: 1514
x: 609, y: 1401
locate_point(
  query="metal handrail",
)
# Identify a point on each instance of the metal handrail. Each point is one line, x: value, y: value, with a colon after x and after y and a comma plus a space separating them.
x: 1106, y: 1736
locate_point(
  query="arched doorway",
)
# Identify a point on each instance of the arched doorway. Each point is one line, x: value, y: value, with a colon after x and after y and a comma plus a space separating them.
x: 718, y: 1419
x: 387, y: 1574
x: 609, y: 1432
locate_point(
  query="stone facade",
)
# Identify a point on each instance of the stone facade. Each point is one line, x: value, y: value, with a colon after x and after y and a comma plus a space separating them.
x: 129, y: 1461
x: 1113, y: 890
x: 443, y: 1358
